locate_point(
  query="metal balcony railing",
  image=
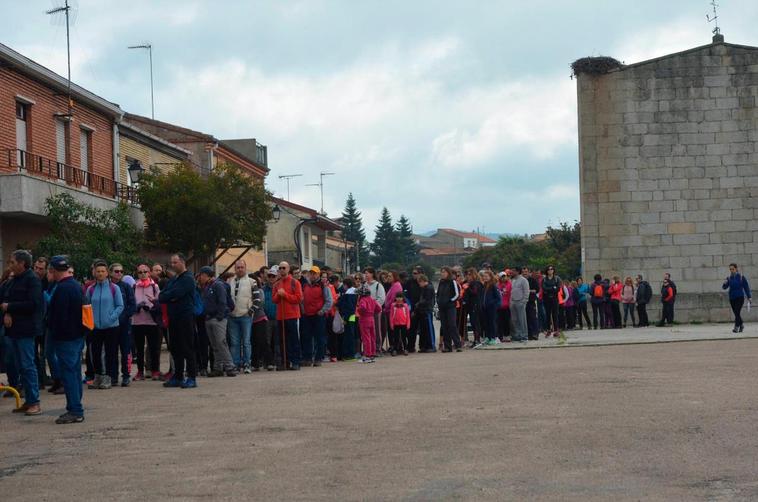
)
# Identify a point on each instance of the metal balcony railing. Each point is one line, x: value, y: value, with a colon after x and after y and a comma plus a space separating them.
x: 36, y: 165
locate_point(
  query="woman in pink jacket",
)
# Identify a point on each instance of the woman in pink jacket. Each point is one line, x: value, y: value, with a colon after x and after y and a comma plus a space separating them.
x: 389, y: 300
x: 144, y: 327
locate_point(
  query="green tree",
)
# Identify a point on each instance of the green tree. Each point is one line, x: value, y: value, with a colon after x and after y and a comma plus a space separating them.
x: 85, y: 233
x: 195, y: 215
x: 406, y: 247
x: 384, y: 247
x: 353, y: 231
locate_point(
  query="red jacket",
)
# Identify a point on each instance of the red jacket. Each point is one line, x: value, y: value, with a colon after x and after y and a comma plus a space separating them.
x: 313, y: 298
x: 669, y: 294
x: 505, y: 294
x: 288, y: 306
x: 400, y: 315
x: 615, y: 291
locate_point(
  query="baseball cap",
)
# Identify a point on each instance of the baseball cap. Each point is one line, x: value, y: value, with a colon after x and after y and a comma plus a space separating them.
x: 60, y: 263
x: 274, y: 270
x: 502, y: 274
x: 207, y: 271
x: 314, y: 268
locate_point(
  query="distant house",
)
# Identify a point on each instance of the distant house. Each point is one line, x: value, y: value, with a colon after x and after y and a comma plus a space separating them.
x: 457, y: 239
x: 442, y: 257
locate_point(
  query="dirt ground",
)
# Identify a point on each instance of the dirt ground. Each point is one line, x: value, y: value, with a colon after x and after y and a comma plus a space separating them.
x: 654, y: 422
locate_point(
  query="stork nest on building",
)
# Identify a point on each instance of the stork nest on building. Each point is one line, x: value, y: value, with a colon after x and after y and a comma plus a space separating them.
x: 595, y: 65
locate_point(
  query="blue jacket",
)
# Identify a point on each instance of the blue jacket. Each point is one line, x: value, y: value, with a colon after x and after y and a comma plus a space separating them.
x: 737, y: 286
x: 130, y: 303
x: 107, y: 304
x: 491, y: 299
x: 64, y: 314
x: 268, y: 302
x: 26, y: 306
x: 347, y: 303
x: 583, y: 290
x: 179, y: 295
x: 214, y: 300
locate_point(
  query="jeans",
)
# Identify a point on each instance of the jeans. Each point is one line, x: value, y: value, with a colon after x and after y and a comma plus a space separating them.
x: 616, y: 313
x: 518, y: 317
x: 69, y: 356
x: 9, y: 360
x: 313, y: 337
x: 598, y: 308
x: 51, y: 356
x: 239, y: 340
x: 291, y: 347
x: 737, y: 304
x: 125, y: 346
x: 629, y: 311
x: 222, y: 359
x: 477, y: 323
x: 668, y: 313
x: 107, y: 338
x: 23, y: 348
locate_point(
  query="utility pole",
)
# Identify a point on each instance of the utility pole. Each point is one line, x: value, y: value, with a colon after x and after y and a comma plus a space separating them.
x: 149, y: 48
x: 320, y: 184
x: 66, y: 8
x: 288, y: 177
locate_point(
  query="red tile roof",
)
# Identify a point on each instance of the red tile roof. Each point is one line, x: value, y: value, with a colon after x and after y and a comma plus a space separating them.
x: 468, y: 235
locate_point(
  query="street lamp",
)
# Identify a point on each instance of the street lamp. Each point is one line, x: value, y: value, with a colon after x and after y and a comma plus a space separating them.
x: 276, y: 213
x: 149, y: 48
x: 135, y: 171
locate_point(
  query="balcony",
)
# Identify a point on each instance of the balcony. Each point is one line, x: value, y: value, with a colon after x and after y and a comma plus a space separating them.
x: 40, y: 167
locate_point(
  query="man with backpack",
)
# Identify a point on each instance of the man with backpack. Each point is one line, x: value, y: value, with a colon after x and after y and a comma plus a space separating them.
x: 107, y: 306
x: 215, y: 310
x: 317, y: 301
x: 597, y: 300
x: 179, y: 296
x: 124, y: 323
x: 643, y: 297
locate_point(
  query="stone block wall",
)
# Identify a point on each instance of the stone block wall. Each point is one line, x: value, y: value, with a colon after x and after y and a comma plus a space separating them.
x: 669, y: 172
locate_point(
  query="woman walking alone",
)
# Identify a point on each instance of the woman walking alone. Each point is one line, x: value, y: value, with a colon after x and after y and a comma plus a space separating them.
x: 739, y: 289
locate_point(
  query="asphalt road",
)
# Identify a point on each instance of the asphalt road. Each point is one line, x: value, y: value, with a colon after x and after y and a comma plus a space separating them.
x: 640, y: 422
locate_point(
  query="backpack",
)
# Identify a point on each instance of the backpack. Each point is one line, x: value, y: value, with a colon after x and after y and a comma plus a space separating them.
x: 597, y: 291
x: 197, y: 303
x: 91, y: 289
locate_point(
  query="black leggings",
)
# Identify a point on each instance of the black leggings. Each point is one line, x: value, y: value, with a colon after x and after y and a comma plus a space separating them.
x: 182, y: 345
x: 551, y: 313
x: 582, y: 311
x: 737, y: 304
x: 151, y: 334
x: 397, y: 338
x: 108, y: 339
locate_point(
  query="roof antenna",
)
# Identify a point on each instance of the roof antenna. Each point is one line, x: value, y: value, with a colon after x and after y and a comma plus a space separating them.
x: 717, y: 36
x: 67, y: 9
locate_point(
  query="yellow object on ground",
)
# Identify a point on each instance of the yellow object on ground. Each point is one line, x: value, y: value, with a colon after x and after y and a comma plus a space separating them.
x: 13, y: 391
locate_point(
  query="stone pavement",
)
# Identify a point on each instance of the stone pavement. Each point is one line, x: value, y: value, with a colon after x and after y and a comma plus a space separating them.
x: 633, y: 336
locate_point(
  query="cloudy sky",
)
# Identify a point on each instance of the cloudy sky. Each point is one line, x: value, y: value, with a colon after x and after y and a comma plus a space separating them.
x: 455, y: 113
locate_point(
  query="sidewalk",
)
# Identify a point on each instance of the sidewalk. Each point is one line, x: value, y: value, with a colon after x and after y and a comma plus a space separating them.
x: 633, y: 336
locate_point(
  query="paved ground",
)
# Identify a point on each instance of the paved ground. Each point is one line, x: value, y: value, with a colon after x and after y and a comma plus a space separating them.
x: 672, y: 421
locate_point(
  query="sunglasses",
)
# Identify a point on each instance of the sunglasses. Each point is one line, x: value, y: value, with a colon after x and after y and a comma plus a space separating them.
x: 118, y: 271
x: 140, y: 272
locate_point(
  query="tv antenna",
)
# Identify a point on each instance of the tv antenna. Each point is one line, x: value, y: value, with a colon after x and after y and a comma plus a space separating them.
x: 714, y: 19
x: 288, y: 177
x: 67, y: 10
x: 320, y: 184
x: 149, y: 47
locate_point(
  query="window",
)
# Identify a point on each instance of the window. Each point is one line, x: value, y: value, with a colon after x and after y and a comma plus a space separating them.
x: 22, y: 132
x: 21, y: 111
x: 85, y: 140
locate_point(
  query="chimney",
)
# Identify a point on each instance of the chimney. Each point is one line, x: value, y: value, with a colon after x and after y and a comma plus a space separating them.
x: 718, y: 38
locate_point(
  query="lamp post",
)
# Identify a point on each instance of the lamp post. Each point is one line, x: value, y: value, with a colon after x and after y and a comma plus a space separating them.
x: 149, y: 48
x: 135, y: 171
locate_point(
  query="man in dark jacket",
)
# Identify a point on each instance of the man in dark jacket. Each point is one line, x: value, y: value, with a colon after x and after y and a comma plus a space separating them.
x: 179, y: 296
x: 23, y: 308
x: 422, y: 313
x: 64, y: 320
x: 40, y: 269
x: 598, y: 291
x: 412, y: 292
x: 644, y: 295
x: 216, y: 311
x: 124, y: 322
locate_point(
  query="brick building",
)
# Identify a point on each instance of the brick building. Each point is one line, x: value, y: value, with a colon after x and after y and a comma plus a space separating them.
x: 45, y: 151
x: 147, y: 150
x: 669, y: 171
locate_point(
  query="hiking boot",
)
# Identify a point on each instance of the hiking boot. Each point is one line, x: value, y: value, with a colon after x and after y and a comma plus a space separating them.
x: 95, y: 384
x: 172, y: 383
x: 246, y: 370
x: 105, y: 382
x: 68, y: 418
x: 190, y: 383
x: 126, y: 381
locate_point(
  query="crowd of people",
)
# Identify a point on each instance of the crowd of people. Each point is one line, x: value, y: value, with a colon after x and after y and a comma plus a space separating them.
x: 282, y: 318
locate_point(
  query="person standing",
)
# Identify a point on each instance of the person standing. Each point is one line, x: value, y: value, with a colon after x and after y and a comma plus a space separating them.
x: 583, y: 291
x: 614, y: 291
x: 400, y: 322
x: 125, y: 342
x: 627, y: 300
x: 179, y: 298
x: 288, y: 294
x: 520, y: 293
x: 144, y: 325
x: 64, y: 321
x: 215, y: 311
x: 551, y: 284
x: 262, y: 356
x: 504, y: 311
x: 643, y: 296
x: 490, y: 302
x: 378, y: 294
x: 240, y: 320
x: 739, y: 289
x: 40, y: 269
x: 422, y: 313
x: 317, y: 301
x: 532, y: 319
x: 367, y: 309
x: 413, y: 294
x: 447, y: 294
x: 667, y: 299
x: 107, y: 306
x: 269, y: 307
x: 473, y: 307
x: 597, y: 301
x: 23, y: 309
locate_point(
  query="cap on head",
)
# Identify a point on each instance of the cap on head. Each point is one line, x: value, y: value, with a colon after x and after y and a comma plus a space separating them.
x: 274, y: 270
x: 59, y: 263
x: 207, y: 271
x: 503, y: 274
x: 315, y: 269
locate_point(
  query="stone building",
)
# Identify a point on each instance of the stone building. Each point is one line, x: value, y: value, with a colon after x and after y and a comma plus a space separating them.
x: 669, y: 171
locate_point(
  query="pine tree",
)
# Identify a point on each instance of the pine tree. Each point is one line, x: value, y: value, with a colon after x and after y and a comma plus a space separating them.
x: 353, y: 231
x: 384, y: 247
x: 407, y: 252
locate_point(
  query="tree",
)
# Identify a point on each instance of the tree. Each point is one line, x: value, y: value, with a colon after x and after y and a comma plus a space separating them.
x: 353, y: 231
x: 384, y: 247
x: 195, y: 215
x: 85, y: 233
x: 406, y: 246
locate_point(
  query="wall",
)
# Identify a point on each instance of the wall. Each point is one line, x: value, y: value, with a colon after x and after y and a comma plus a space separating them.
x: 669, y: 172
x: 41, y: 128
x: 147, y: 156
